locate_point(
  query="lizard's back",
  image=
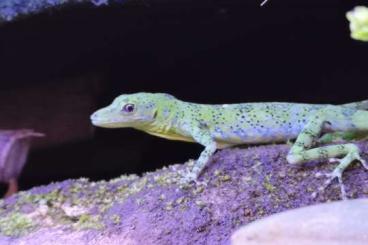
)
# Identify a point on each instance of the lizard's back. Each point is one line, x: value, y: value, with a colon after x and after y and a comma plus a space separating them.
x: 261, y: 122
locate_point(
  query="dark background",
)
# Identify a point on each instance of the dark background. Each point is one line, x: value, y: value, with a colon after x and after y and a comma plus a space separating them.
x: 202, y: 51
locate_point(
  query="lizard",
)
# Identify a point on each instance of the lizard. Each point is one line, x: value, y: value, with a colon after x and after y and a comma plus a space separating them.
x: 218, y: 126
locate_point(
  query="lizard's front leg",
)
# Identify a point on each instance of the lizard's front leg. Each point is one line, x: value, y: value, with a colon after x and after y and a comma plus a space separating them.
x: 203, y: 137
x: 300, y: 151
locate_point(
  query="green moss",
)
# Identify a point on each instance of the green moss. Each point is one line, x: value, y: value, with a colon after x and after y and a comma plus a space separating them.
x: 116, y: 219
x: 89, y: 222
x: 180, y: 200
x: 15, y: 224
x: 166, y: 178
x: 49, y: 198
x: 198, y: 190
x: 225, y: 178
x: 267, y: 185
x: 103, y: 208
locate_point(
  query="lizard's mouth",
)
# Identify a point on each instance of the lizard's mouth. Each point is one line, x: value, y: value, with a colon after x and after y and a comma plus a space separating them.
x: 105, y: 120
x: 105, y: 123
x: 98, y: 120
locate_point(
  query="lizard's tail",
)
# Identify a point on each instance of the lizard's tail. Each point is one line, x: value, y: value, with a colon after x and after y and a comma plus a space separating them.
x: 361, y: 105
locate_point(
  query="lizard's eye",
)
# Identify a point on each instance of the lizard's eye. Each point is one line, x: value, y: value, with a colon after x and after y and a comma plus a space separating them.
x: 128, y: 108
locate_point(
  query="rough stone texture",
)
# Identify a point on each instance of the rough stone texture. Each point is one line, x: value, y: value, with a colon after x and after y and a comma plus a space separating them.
x: 10, y: 9
x: 336, y: 223
x: 239, y: 186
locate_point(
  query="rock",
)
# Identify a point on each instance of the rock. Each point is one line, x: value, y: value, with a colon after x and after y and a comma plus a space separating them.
x: 238, y: 187
x: 11, y: 9
x: 336, y: 223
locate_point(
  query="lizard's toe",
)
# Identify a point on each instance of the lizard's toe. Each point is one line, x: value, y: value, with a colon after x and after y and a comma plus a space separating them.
x: 336, y: 174
x: 187, y: 177
x: 363, y: 162
x: 338, y: 171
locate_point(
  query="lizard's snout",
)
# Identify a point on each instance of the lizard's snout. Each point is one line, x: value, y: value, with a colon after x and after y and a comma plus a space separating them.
x: 94, y: 118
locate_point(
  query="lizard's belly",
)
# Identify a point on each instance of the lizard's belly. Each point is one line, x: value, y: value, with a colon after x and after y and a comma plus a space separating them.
x: 255, y: 135
x: 172, y: 136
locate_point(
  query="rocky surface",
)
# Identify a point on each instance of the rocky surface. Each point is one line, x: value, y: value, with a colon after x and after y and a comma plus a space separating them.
x: 336, y: 223
x: 11, y: 9
x: 238, y: 187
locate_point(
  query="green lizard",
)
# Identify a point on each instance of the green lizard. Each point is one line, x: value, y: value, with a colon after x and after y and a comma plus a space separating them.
x: 221, y: 126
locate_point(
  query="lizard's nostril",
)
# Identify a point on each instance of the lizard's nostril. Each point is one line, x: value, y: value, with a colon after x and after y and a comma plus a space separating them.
x: 94, y: 116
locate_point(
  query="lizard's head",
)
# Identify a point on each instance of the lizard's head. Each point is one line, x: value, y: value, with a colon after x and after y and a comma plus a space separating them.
x: 129, y: 110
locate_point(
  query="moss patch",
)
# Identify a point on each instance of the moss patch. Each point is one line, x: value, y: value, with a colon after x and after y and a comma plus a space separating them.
x: 15, y: 224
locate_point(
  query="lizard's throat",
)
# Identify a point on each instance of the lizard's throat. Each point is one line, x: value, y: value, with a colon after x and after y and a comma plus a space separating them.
x: 159, y: 127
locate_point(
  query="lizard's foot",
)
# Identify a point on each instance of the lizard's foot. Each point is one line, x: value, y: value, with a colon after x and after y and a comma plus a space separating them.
x: 336, y: 174
x: 338, y: 171
x: 190, y: 175
x: 187, y: 175
x: 187, y: 178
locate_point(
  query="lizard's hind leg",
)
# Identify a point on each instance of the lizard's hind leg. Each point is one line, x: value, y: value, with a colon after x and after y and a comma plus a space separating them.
x: 300, y: 152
